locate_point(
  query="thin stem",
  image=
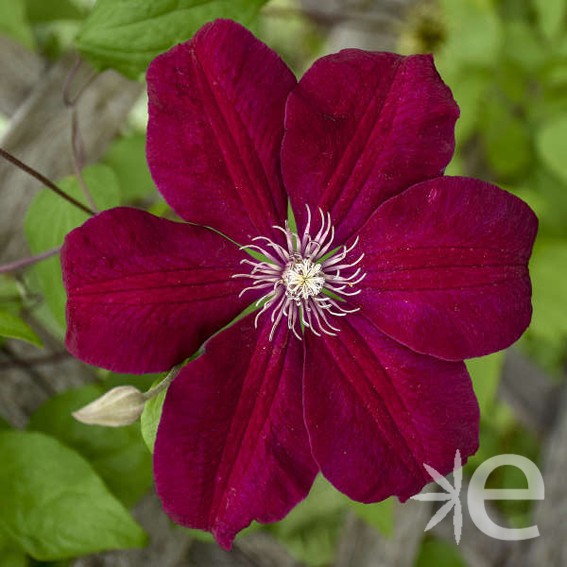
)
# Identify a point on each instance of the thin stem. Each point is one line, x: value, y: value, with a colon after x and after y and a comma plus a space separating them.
x: 157, y: 389
x: 79, y: 158
x: 45, y: 181
x: 30, y: 260
x: 68, y: 100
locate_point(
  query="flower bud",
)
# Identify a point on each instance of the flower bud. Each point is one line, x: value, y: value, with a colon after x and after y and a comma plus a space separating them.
x: 120, y: 406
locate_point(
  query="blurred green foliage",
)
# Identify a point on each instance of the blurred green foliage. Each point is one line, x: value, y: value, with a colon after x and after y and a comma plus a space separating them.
x: 506, y: 62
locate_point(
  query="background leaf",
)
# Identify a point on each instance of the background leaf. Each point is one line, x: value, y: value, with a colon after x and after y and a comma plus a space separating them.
x: 485, y: 374
x: 379, y: 515
x: 118, y: 455
x: 311, y: 529
x: 13, y: 22
x: 39, y: 11
x: 435, y: 553
x: 54, y: 506
x: 552, y: 145
x: 127, y: 34
x: 49, y: 219
x: 548, y: 271
x: 551, y: 15
x: 127, y: 158
x: 474, y: 31
x: 13, y: 327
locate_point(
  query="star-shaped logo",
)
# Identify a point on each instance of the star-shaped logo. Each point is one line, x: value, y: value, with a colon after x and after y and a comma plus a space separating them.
x: 451, y: 496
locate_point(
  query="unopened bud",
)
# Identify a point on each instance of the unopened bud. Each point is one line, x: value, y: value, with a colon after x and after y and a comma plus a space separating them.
x: 120, y: 406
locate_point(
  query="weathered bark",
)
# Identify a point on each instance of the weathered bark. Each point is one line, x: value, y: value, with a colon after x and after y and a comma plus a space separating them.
x: 363, y: 546
x: 20, y: 70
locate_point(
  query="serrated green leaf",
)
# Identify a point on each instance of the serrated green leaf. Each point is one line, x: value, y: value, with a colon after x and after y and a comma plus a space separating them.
x: 551, y: 15
x: 127, y: 158
x: 54, y: 506
x: 119, y: 455
x: 552, y: 145
x: 13, y: 327
x: 50, y: 218
x: 127, y: 34
x: 150, y: 418
x: 13, y: 22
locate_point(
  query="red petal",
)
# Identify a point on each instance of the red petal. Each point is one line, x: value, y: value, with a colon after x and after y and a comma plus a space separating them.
x: 231, y: 445
x: 215, y: 127
x: 447, y: 268
x: 377, y: 411
x: 143, y: 292
x: 362, y: 127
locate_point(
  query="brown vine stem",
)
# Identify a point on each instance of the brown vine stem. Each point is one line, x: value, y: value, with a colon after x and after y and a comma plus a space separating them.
x: 76, y: 140
x: 29, y: 261
x: 45, y: 181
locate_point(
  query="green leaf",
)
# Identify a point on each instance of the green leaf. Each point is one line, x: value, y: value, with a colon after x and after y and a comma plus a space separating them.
x: 127, y: 34
x: 551, y: 16
x: 4, y: 424
x: 551, y: 144
x: 50, y: 218
x: 379, y: 516
x: 151, y: 416
x: 486, y: 373
x: 474, y: 31
x: 54, y: 506
x: 118, y: 455
x: 311, y: 529
x: 435, y: 552
x: 127, y: 158
x: 13, y: 22
x: 548, y: 271
x: 13, y: 327
x: 507, y: 140
x: 11, y: 557
x: 10, y: 293
x: 40, y: 11
x: 523, y: 46
x: 469, y: 88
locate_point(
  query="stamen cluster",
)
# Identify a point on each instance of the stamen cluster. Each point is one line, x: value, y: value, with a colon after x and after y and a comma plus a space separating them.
x: 304, y: 278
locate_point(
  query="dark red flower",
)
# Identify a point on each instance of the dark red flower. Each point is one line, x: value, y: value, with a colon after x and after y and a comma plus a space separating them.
x: 352, y: 364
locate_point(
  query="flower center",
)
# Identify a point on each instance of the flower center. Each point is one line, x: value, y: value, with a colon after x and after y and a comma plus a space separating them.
x: 305, y: 281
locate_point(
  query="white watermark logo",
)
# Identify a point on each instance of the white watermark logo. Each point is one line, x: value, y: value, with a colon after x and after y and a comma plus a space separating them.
x: 477, y: 494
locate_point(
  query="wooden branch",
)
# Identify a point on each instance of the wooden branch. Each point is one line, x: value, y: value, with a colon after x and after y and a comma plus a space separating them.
x: 529, y: 391
x: 550, y: 548
x: 40, y: 135
x: 20, y: 70
x: 363, y: 546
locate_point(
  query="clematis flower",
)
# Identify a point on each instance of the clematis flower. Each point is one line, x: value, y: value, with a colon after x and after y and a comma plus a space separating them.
x: 352, y: 362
